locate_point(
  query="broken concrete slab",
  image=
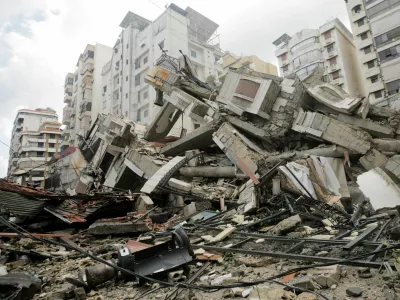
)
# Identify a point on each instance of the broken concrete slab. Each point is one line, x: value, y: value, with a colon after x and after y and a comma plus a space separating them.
x: 218, y: 172
x: 382, y: 191
x: 236, y: 150
x: 144, y: 202
x: 189, y: 210
x: 163, y: 122
x: 269, y: 293
x: 199, y: 138
x: 393, y: 166
x: 304, y: 283
x: 331, y: 130
x: 287, y: 225
x: 326, y: 276
x: 372, y: 159
x: 152, y: 183
x: 256, y: 262
x: 375, y: 129
x: 248, y: 201
x: 363, y: 110
x: 180, y: 184
x: 111, y: 227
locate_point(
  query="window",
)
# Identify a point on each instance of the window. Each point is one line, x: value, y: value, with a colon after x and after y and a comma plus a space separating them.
x: 41, y: 145
x: 390, y: 53
x: 137, y: 63
x: 371, y: 64
x: 104, y: 89
x: 193, y: 53
x: 283, y: 57
x: 146, y: 113
x: 161, y: 44
x: 367, y: 50
x: 126, y: 96
x: 247, y: 88
x: 285, y: 68
x: 327, y: 35
x: 196, y: 125
x: 361, y: 22
x: 145, y: 60
x: 378, y: 94
x: 127, y: 46
x: 145, y: 95
x: 39, y: 154
x: 138, y: 117
x: 330, y: 49
x: 138, y: 96
x: 127, y: 61
x: 364, y: 36
x: 51, y: 145
x: 393, y: 87
x: 388, y: 37
x: 357, y: 9
x: 374, y: 78
x: 382, y: 7
x: 126, y: 78
x: 52, y: 136
x: 332, y: 61
x: 137, y: 80
x: 335, y: 75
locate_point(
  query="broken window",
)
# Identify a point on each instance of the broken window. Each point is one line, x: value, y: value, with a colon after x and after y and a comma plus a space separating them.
x: 285, y: 68
x: 393, y: 87
x: 247, y: 88
x: 356, y: 9
x: 327, y: 35
x: 145, y: 60
x: 193, y: 53
x: 390, y: 53
x: 371, y: 64
x: 330, y: 49
x: 138, y: 115
x: 283, y: 57
x: 374, y: 78
x: 332, y: 61
x: 378, y: 94
x: 364, y: 36
x: 335, y: 75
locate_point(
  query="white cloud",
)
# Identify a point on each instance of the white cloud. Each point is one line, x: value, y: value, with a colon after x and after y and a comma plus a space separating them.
x: 34, y: 65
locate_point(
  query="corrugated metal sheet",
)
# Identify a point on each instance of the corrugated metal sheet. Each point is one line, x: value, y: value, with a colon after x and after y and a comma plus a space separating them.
x: 20, y: 205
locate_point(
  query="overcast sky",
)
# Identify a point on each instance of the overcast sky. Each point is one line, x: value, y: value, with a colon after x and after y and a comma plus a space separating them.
x: 40, y: 41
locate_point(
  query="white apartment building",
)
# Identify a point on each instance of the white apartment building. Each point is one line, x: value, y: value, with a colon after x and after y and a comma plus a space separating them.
x: 376, y: 29
x: 137, y: 50
x: 36, y: 137
x: 82, y: 93
x: 330, y: 47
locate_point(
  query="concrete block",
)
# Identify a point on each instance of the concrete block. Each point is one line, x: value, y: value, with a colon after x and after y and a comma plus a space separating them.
x: 199, y: 138
x: 278, y: 103
x: 326, y: 276
x: 176, y: 276
x: 305, y: 283
x: 105, y: 228
x: 222, y: 235
x: 179, y: 184
x: 287, y: 224
x: 375, y: 129
x: 288, y: 82
x: 288, y: 89
x: 189, y: 210
x: 144, y: 202
x: 393, y: 165
x: 372, y: 159
x: 248, y: 201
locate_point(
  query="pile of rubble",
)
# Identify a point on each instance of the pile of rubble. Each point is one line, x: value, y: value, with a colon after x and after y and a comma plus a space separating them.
x: 278, y: 174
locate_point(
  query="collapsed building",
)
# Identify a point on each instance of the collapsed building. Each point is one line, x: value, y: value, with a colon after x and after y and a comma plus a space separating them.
x: 285, y: 161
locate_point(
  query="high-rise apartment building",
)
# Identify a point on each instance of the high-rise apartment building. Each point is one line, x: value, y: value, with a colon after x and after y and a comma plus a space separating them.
x: 330, y: 46
x: 140, y: 46
x: 231, y: 60
x: 376, y: 29
x: 36, y: 137
x: 82, y: 93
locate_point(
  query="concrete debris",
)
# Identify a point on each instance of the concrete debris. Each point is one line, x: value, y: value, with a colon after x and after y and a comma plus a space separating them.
x: 269, y: 172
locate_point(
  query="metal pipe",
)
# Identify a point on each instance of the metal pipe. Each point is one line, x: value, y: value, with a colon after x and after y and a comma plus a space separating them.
x: 227, y: 172
x: 279, y: 213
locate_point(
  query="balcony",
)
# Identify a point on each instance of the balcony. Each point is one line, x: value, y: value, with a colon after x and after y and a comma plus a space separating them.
x: 280, y: 51
x: 87, y: 69
x: 337, y: 81
x: 358, y: 30
x: 367, y: 57
x: 87, y: 81
x: 66, y: 133
x: 355, y: 16
x: 327, y: 42
x: 67, y: 98
x: 376, y: 86
x: 328, y: 55
x: 371, y: 72
x: 361, y: 44
x: 334, y: 68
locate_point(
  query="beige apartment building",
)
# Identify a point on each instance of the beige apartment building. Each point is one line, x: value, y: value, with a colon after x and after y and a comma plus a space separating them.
x: 330, y: 46
x: 376, y: 29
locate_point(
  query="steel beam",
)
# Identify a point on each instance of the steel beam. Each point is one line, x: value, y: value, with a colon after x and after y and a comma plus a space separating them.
x: 349, y: 246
